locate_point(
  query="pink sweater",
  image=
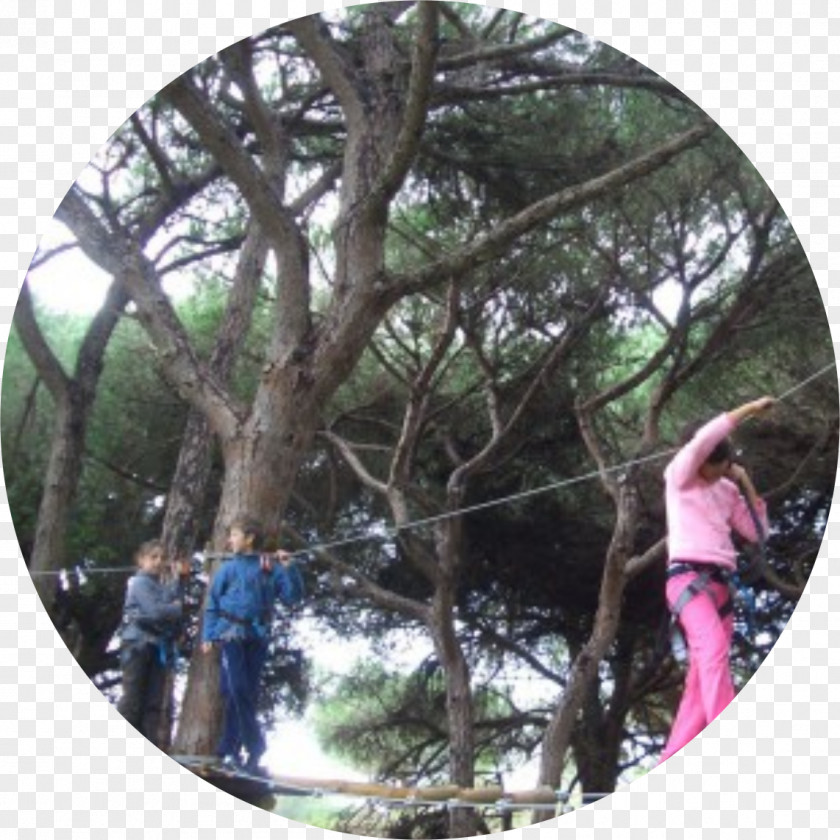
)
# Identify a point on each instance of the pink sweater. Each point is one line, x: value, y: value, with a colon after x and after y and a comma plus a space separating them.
x: 701, y: 516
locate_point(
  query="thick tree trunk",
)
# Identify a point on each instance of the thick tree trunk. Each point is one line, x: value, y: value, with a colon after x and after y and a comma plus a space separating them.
x: 60, y: 480
x: 596, y: 745
x: 200, y: 721
x: 73, y: 399
x: 189, y: 485
x: 584, y: 670
x: 184, y: 501
x: 460, y: 713
x: 463, y: 822
x: 260, y: 468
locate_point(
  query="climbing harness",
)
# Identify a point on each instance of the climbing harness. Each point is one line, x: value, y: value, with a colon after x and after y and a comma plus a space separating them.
x: 706, y: 573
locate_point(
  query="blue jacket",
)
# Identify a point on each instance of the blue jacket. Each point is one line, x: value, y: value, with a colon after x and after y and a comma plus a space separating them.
x: 152, y: 610
x: 240, y: 604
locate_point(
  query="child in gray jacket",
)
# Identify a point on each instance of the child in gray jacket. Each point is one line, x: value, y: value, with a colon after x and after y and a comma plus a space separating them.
x: 151, y: 620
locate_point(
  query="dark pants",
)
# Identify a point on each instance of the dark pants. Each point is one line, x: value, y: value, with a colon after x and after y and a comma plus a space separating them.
x: 143, y: 686
x: 241, y: 668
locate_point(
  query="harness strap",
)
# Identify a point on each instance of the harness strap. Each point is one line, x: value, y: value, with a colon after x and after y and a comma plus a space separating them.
x: 258, y: 625
x: 705, y: 575
x: 236, y: 619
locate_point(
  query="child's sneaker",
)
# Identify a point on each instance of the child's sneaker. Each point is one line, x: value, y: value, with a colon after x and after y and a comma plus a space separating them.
x: 231, y: 763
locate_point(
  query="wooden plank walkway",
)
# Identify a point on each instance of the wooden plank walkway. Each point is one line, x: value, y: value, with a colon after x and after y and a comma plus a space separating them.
x: 246, y: 786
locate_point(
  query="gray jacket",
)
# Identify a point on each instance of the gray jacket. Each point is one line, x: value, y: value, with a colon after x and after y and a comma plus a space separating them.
x: 152, y: 610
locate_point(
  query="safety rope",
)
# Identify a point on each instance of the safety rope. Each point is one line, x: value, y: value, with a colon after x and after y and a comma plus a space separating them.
x: 390, y: 533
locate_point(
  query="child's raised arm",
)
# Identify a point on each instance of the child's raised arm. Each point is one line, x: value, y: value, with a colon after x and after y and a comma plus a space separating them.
x: 687, y: 462
x: 738, y: 415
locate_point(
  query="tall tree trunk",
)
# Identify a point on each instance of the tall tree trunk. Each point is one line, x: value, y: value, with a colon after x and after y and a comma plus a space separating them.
x: 463, y: 822
x: 73, y: 398
x: 183, y: 503
x: 261, y: 463
x: 61, y: 478
x: 584, y: 670
x: 189, y: 485
x: 596, y: 744
x: 460, y: 711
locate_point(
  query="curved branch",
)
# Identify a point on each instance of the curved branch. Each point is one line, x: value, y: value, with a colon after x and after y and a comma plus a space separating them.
x: 225, y: 147
x: 351, y: 459
x: 483, y: 248
x: 375, y: 593
x: 555, y: 356
x: 45, y: 361
x: 453, y: 95
x: 501, y: 52
x: 161, y: 163
x: 417, y: 100
x: 43, y: 257
x: 593, y: 445
x: 262, y: 193
x: 137, y: 276
x: 415, y: 415
x: 335, y: 66
x: 522, y: 653
x: 638, y: 564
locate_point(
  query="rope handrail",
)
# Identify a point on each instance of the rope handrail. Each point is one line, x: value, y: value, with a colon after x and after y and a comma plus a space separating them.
x: 391, y: 533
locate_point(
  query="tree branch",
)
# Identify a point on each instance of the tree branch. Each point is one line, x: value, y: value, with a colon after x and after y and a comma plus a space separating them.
x: 335, y: 66
x: 638, y: 564
x: 421, y: 393
x: 566, y: 343
x: 485, y: 247
x: 262, y: 192
x: 46, y: 363
x: 454, y: 95
x: 351, y: 459
x: 135, y: 273
x: 493, y: 53
x: 417, y: 100
x: 378, y: 595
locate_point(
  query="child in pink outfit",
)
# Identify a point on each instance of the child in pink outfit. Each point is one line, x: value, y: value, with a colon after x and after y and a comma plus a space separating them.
x: 704, y: 504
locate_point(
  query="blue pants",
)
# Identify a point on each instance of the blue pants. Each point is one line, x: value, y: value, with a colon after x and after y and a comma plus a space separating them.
x: 242, y: 662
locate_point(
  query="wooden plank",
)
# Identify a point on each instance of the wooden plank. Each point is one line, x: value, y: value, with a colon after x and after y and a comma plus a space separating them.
x: 208, y: 768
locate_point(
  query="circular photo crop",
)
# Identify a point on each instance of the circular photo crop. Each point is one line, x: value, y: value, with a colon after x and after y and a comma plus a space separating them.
x: 420, y: 420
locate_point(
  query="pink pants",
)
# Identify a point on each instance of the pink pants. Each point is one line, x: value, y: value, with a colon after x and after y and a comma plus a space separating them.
x: 708, y: 685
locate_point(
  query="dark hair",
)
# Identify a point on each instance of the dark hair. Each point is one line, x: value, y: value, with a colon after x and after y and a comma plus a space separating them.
x: 148, y: 547
x: 723, y: 452
x: 251, y: 528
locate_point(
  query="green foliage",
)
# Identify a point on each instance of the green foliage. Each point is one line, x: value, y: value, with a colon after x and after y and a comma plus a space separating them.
x: 25, y: 434
x: 390, y: 724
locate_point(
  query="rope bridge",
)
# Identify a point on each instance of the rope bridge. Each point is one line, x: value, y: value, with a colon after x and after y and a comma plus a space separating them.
x: 246, y: 786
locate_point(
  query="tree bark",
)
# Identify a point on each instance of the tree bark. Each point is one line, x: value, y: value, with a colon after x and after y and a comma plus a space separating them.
x: 189, y: 484
x: 584, y: 669
x: 460, y: 716
x: 73, y: 398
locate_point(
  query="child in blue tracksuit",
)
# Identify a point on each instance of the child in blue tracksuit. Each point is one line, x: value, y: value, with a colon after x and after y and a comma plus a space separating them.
x: 151, y: 620
x: 237, y: 619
